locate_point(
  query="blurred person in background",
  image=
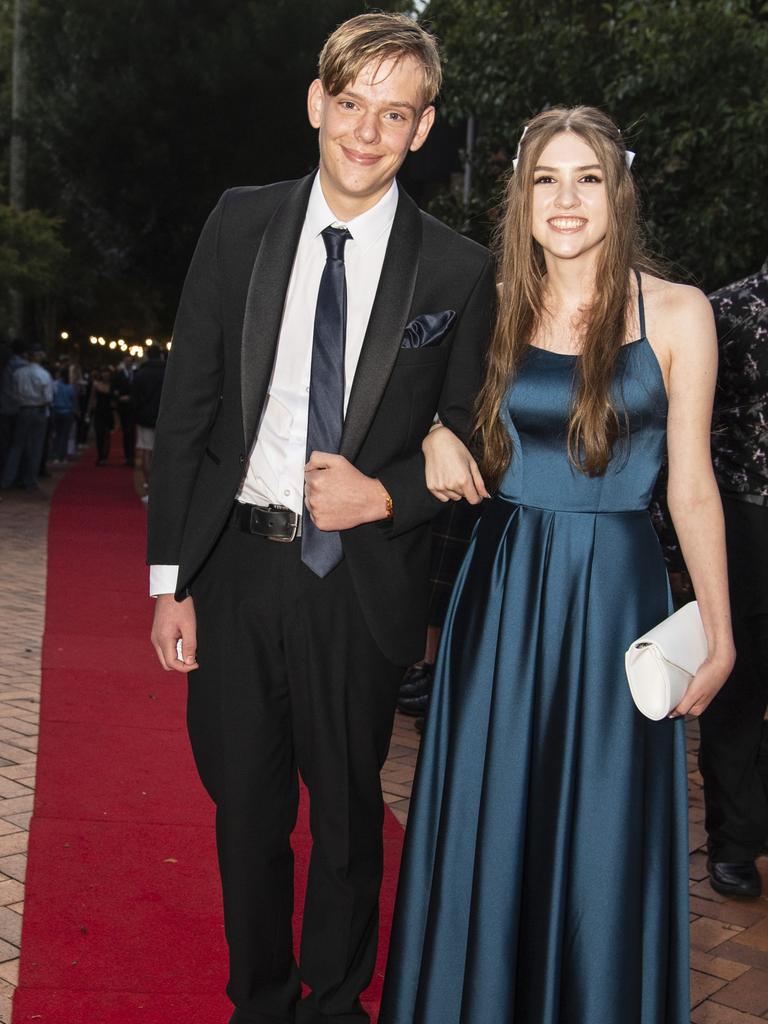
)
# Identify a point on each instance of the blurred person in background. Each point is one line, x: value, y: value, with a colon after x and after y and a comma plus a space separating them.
x: 733, y: 755
x: 9, y: 405
x: 122, y: 384
x: 42, y: 470
x: 146, y: 388
x: 32, y: 390
x: 81, y: 382
x: 102, y: 414
x: 63, y: 413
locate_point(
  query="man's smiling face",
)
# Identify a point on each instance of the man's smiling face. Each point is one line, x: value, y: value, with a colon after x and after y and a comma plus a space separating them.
x: 366, y: 131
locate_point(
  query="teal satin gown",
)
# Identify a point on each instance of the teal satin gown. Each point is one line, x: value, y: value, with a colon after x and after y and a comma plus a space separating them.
x: 545, y: 871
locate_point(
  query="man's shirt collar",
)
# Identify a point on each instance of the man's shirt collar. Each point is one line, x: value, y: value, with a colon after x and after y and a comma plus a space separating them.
x: 365, y: 229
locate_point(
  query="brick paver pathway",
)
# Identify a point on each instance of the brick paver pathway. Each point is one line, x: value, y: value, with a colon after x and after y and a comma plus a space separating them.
x: 23, y: 553
x: 729, y: 939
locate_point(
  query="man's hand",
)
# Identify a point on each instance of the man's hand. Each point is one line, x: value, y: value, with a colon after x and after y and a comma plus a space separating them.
x: 175, y: 620
x: 338, y: 496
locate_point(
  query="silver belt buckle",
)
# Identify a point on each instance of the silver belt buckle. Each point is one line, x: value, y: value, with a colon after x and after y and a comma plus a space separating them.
x: 295, y: 524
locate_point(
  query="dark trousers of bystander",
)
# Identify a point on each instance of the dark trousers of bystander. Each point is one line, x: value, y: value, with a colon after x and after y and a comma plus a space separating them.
x: 7, y: 424
x: 26, y: 449
x: 102, y: 428
x: 46, y: 447
x: 81, y: 435
x: 733, y: 755
x: 62, y: 428
x: 128, y: 427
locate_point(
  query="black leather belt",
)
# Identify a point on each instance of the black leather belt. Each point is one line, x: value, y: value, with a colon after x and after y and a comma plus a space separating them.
x: 275, y: 522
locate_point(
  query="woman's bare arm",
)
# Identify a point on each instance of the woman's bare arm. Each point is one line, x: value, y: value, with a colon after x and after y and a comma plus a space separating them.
x: 690, y: 352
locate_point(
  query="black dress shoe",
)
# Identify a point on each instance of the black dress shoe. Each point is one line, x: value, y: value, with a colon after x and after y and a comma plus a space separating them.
x: 415, y: 689
x: 735, y: 878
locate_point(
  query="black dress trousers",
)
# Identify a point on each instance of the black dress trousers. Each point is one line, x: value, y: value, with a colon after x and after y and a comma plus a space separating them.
x: 291, y: 679
x: 733, y: 755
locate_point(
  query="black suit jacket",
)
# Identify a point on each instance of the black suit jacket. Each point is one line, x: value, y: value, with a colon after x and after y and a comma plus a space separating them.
x: 224, y: 345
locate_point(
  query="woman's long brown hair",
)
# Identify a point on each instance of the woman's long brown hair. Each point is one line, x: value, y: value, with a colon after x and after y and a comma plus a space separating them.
x: 594, y: 424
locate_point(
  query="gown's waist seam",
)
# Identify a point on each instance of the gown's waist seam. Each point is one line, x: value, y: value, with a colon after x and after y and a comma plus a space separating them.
x: 576, y: 511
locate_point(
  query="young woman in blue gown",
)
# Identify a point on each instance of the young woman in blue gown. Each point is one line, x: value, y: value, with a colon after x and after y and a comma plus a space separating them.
x: 544, y: 878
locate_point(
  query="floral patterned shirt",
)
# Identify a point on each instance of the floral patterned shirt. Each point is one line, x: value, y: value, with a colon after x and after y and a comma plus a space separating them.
x: 740, y: 419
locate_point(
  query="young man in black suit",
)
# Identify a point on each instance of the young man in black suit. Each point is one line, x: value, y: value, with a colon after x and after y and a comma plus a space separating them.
x: 324, y: 321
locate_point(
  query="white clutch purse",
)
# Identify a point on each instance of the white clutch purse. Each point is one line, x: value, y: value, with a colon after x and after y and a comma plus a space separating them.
x: 661, y: 664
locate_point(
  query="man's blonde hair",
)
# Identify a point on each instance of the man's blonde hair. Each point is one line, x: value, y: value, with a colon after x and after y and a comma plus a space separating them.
x: 375, y: 38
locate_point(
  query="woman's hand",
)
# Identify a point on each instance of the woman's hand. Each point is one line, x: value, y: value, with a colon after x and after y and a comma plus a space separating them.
x: 451, y: 471
x: 704, y: 686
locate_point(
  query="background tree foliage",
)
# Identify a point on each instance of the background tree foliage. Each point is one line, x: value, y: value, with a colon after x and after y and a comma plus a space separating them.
x: 6, y: 28
x: 31, y: 255
x: 686, y: 77
x: 143, y: 111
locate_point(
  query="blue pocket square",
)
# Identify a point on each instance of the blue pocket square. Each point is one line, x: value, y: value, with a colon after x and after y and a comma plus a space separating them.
x: 428, y: 329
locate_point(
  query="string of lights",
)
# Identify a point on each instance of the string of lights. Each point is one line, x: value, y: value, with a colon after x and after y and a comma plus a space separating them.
x: 120, y: 344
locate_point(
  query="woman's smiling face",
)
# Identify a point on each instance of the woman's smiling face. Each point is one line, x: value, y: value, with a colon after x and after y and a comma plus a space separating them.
x: 570, y: 204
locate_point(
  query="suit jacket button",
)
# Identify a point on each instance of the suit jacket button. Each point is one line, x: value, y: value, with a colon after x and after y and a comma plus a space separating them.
x: 242, y: 459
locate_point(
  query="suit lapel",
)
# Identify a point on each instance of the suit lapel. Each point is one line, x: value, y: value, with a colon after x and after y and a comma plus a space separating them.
x: 386, y: 325
x: 265, y: 302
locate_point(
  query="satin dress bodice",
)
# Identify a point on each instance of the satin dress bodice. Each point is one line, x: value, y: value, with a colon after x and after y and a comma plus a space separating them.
x: 536, y: 414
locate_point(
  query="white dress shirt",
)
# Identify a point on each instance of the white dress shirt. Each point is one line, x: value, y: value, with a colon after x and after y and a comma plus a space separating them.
x: 275, y: 471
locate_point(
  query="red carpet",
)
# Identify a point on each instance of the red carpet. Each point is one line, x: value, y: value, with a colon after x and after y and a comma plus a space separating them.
x: 122, y: 919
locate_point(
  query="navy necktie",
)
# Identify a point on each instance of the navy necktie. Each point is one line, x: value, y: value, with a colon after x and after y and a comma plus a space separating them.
x: 320, y: 549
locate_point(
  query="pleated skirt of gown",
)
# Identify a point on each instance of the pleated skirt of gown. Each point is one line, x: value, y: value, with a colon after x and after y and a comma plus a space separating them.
x: 545, y: 874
